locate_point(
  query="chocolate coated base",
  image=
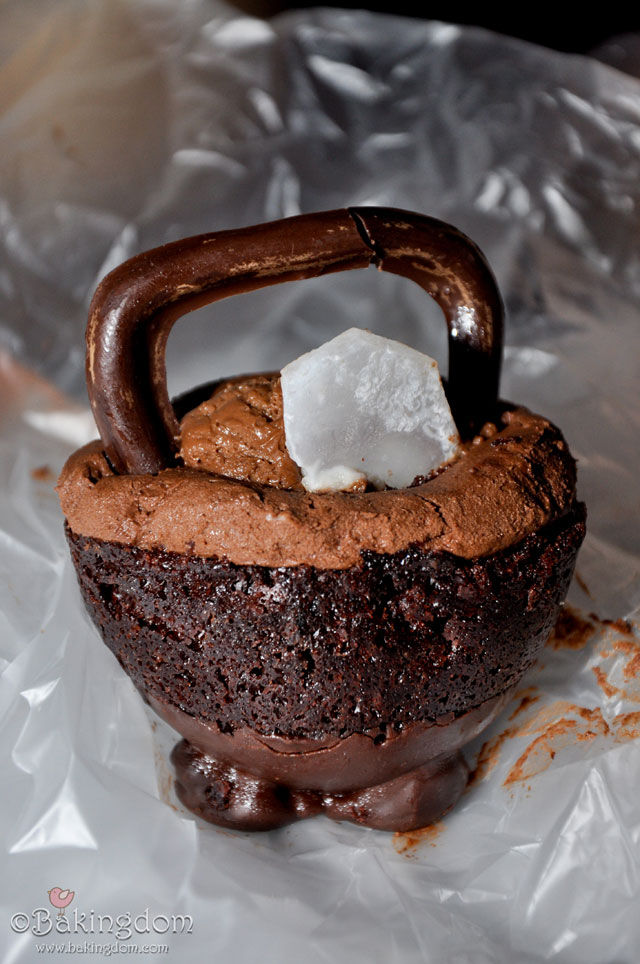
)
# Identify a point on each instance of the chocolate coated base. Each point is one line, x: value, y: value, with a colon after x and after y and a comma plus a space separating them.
x: 245, y: 781
x: 232, y: 798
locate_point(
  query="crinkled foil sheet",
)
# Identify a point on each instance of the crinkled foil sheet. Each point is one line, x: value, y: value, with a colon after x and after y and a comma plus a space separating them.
x: 124, y: 125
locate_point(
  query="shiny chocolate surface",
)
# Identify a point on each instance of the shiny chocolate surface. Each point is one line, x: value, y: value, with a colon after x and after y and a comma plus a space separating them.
x: 136, y: 305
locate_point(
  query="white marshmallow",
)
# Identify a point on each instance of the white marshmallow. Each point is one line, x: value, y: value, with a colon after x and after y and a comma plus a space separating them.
x: 366, y: 407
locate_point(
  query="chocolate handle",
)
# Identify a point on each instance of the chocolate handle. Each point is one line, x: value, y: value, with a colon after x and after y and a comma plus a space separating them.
x: 135, y: 307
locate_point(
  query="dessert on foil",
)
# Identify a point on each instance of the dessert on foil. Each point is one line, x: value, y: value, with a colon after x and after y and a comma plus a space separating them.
x: 327, y: 581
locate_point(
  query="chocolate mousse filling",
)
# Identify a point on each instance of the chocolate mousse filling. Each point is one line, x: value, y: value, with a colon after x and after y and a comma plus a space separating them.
x: 502, y: 488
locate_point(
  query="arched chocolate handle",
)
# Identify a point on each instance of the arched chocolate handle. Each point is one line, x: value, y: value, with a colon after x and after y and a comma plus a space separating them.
x: 135, y: 307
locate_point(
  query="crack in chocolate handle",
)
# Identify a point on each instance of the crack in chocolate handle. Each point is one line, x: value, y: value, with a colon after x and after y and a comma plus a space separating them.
x: 137, y: 304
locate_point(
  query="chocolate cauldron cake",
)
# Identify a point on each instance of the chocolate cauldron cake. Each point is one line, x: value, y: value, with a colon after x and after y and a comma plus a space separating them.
x: 318, y: 652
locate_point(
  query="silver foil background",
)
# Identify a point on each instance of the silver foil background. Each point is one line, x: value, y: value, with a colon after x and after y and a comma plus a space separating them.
x: 127, y: 124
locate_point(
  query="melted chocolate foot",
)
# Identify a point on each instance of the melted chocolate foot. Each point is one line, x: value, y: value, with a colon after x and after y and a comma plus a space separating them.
x: 412, y: 800
x: 229, y: 797
x: 232, y: 798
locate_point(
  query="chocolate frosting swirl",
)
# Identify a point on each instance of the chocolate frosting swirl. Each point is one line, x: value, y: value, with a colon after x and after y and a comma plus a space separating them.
x: 239, y: 433
x: 510, y: 481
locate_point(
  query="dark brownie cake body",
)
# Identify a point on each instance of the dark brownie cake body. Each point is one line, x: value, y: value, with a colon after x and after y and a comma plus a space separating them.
x: 303, y: 652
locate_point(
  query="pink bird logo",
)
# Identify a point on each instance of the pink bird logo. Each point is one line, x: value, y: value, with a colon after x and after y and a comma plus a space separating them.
x: 61, y: 898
